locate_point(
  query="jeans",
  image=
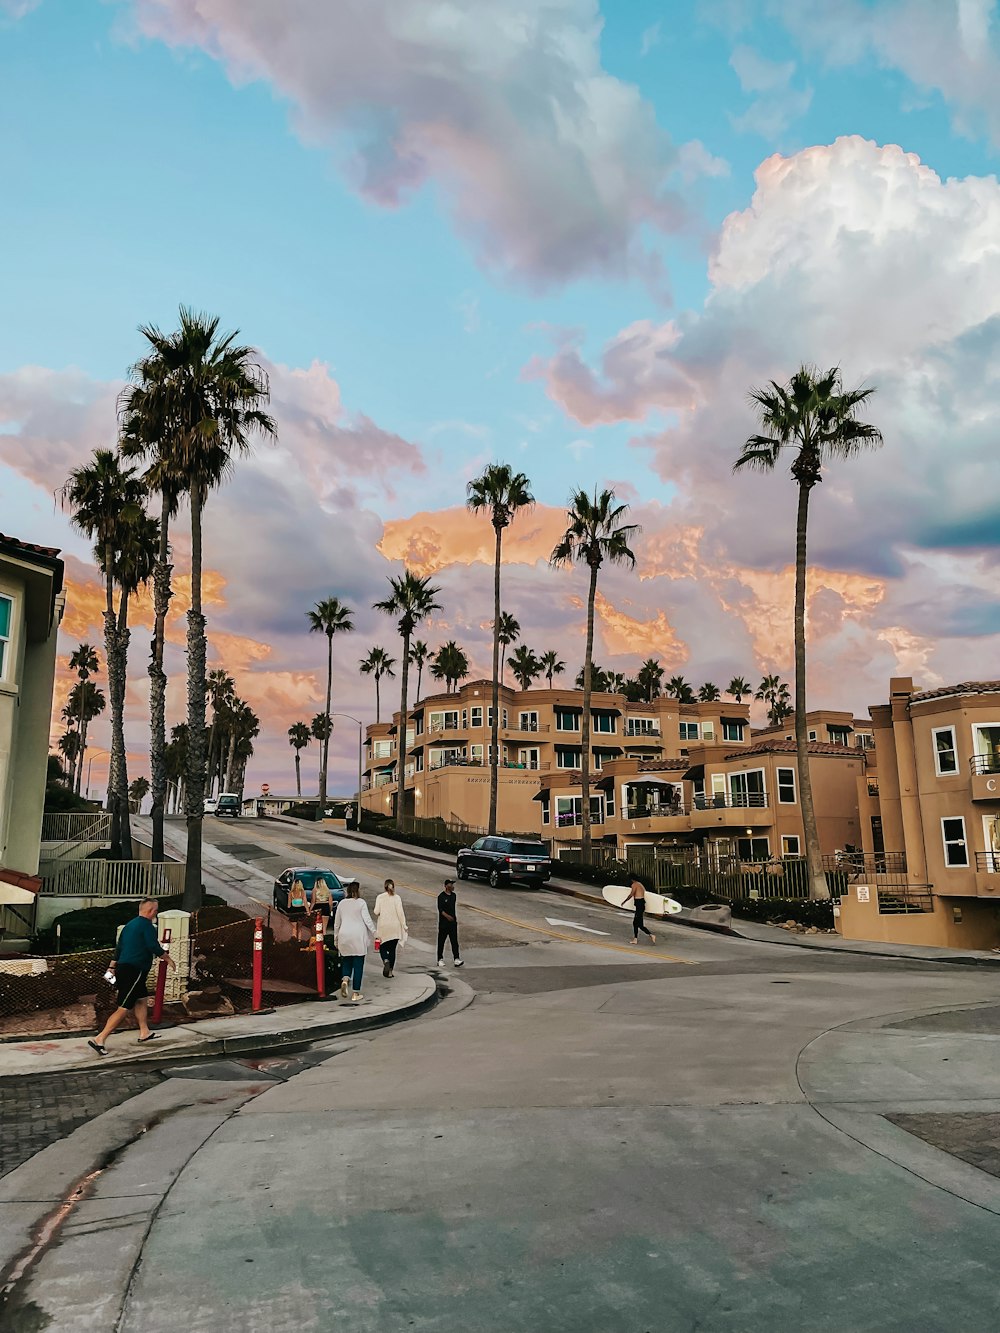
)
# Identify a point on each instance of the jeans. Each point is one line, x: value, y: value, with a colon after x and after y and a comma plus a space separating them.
x: 352, y: 969
x: 387, y: 952
x: 447, y: 931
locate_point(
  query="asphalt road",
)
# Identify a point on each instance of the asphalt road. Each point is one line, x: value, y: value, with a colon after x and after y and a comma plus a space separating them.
x: 691, y: 1135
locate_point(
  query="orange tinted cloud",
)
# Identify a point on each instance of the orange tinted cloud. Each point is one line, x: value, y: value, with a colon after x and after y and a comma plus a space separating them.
x: 622, y: 633
x: 85, y: 602
x: 429, y: 542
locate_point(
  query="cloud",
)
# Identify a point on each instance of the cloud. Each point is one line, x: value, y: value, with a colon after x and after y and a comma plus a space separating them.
x: 550, y: 167
x: 430, y: 542
x: 778, y: 103
x: 651, y: 37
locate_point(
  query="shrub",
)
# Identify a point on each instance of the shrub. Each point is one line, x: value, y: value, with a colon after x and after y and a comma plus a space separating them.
x: 97, y: 927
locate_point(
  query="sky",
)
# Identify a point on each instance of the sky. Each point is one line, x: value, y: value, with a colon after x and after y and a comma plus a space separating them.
x: 563, y: 234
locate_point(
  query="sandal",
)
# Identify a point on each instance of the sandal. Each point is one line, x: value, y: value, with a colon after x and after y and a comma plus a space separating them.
x: 152, y: 1037
x: 95, y: 1046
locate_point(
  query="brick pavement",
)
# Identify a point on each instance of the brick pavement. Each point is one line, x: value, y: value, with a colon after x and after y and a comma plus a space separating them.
x: 38, y: 1111
x: 973, y: 1136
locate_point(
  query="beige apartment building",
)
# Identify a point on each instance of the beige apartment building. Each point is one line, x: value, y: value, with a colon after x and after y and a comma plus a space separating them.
x: 31, y: 607
x: 934, y: 797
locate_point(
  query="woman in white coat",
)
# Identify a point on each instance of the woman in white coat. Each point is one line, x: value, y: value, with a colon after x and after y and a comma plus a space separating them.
x: 353, y: 932
x: 392, y: 930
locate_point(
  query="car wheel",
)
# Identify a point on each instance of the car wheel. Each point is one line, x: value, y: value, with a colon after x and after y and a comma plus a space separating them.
x: 461, y: 871
x: 494, y: 879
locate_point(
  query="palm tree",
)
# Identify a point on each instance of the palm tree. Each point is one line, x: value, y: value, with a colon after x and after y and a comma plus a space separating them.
x: 772, y: 691
x: 450, y: 665
x: 138, y: 790
x: 737, y: 687
x: 633, y: 691
x: 176, y: 762
x: 220, y: 691
x: 781, y: 707
x: 410, y: 601
x: 84, y: 662
x: 815, y: 419
x: 510, y: 632
x: 616, y: 681
x: 596, y: 533
x: 552, y: 665
x: 599, y: 678
x: 419, y: 653
x: 650, y: 676
x: 70, y: 747
x: 298, y: 739
x: 329, y: 617
x: 708, y: 693
x: 678, y: 688
x: 501, y: 492
x: 244, y: 726
x: 106, y: 500
x: 86, y: 701
x: 525, y: 666
x: 378, y: 663
x: 203, y: 401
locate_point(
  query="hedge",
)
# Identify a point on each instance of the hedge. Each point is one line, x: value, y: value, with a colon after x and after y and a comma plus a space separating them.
x: 97, y: 927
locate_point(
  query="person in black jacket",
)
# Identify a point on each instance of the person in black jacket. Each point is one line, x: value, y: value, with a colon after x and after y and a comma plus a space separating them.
x: 448, y: 922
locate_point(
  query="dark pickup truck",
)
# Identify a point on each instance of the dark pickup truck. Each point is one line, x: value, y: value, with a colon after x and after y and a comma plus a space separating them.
x: 505, y: 861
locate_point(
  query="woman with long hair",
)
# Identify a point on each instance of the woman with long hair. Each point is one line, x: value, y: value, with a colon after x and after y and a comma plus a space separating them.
x: 353, y: 932
x: 392, y: 930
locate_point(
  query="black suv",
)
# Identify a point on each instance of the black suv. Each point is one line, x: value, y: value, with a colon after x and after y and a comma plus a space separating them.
x: 505, y: 860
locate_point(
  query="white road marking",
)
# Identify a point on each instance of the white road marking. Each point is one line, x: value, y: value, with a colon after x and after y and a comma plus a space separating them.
x: 555, y: 921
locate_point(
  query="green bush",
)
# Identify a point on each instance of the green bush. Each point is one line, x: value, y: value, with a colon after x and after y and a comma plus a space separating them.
x: 97, y: 927
x: 768, y: 911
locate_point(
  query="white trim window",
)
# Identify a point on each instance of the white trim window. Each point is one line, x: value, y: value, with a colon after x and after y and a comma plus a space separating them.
x: 383, y: 749
x: 945, y: 753
x: 603, y: 724
x: 6, y: 624
x: 567, y: 719
x: 956, y: 849
x: 689, y: 731
x: 790, y: 844
x: 568, y: 758
x: 527, y: 721
x: 786, y: 786
x: 476, y: 715
x: 732, y: 730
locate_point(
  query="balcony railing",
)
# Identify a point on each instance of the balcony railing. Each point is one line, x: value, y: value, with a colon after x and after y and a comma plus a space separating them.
x: 83, y: 826
x: 466, y: 761
x: 635, y: 732
x: 737, y: 801
x: 570, y: 820
x: 866, y: 865
x: 989, y: 862
x: 656, y: 811
x: 985, y: 763
x: 446, y: 726
x: 534, y: 727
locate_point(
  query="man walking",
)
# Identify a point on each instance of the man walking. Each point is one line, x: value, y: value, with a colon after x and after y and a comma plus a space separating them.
x: 448, y: 922
x: 637, y: 892
x: 134, y: 953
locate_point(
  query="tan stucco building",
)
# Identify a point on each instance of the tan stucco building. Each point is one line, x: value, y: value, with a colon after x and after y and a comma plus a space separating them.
x: 31, y: 606
x: 934, y: 796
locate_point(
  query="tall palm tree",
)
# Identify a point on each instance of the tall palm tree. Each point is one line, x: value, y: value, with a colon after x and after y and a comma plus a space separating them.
x: 86, y: 701
x: 105, y: 498
x: 83, y: 660
x: 206, y: 394
x: 244, y: 726
x: 525, y: 666
x: 708, y: 693
x: 737, y: 687
x: 510, y: 632
x: 176, y: 760
x: 650, y: 677
x: 616, y: 681
x: 815, y: 420
x: 138, y: 790
x: 500, y: 492
x: 70, y: 747
x: 419, y: 654
x: 378, y: 663
x: 774, y: 694
x: 329, y: 617
x: 450, y: 664
x: 600, y: 679
x: 678, y: 688
x: 298, y: 739
x: 597, y: 533
x: 552, y: 665
x: 220, y: 692
x: 410, y: 601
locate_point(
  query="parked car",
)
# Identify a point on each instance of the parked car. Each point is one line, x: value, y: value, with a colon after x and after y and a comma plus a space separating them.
x: 308, y: 875
x: 228, y: 804
x: 505, y: 861
x: 210, y: 803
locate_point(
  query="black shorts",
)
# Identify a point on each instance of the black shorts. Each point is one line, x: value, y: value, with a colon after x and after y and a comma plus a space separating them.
x: 130, y: 983
x: 323, y: 909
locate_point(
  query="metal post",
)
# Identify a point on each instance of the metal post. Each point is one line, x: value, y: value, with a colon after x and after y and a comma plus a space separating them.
x: 320, y: 959
x: 161, y: 982
x: 258, y: 965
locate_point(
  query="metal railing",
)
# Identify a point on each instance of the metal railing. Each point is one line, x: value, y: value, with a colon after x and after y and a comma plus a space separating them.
x: 445, y: 726
x: 868, y: 865
x: 902, y: 899
x: 633, y: 732
x: 738, y: 801
x: 534, y: 727
x: 115, y: 879
x: 988, y: 862
x: 569, y: 820
x: 655, y: 811
x: 984, y: 763
x: 77, y: 826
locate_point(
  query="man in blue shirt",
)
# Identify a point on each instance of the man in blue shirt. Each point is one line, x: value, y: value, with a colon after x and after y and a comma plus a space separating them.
x: 134, y: 953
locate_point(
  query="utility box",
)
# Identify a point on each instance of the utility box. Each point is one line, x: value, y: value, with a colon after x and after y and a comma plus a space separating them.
x: 178, y: 946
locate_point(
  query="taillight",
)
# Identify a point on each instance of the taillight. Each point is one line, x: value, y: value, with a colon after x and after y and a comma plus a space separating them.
x: 507, y: 860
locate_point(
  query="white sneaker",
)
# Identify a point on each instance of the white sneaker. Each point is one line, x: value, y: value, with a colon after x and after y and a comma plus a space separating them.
x: 440, y: 962
x: 345, y: 990
x: 459, y: 962
x: 357, y: 997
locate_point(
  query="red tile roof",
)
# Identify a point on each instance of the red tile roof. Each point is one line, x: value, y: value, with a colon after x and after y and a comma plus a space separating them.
x: 49, y: 552
x: 782, y: 746
x: 966, y: 687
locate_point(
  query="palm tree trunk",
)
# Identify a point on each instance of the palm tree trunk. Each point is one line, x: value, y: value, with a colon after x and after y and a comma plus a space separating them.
x: 814, y: 860
x: 325, y: 742
x: 194, y: 768
x: 585, y: 726
x: 298, y: 776
x: 420, y: 675
x: 378, y: 705
x: 111, y: 657
x: 123, y: 797
x: 401, y: 748
x: 81, y: 725
x: 231, y: 762
x: 497, y: 669
x: 158, y: 687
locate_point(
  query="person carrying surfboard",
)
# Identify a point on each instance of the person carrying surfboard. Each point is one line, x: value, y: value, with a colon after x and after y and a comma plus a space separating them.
x: 637, y: 893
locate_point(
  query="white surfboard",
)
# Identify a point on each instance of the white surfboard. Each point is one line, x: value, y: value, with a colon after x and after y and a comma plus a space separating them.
x: 656, y: 903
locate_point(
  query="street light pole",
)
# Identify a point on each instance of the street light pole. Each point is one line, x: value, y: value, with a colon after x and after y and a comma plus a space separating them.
x: 94, y: 751
x: 360, y: 726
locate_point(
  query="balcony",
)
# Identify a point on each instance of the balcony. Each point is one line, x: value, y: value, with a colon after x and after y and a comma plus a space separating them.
x: 528, y: 728
x: 570, y: 820
x: 642, y: 733
x: 445, y: 726
x: 985, y: 771
x: 746, y: 811
x: 988, y: 874
x: 651, y: 813
x: 464, y: 761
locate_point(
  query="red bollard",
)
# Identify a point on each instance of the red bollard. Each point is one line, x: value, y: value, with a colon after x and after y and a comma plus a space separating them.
x: 161, y: 982
x: 258, y: 965
x: 320, y: 959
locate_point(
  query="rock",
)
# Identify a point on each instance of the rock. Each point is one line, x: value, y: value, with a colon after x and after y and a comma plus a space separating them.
x: 790, y: 924
x: 813, y: 930
x: 209, y: 1002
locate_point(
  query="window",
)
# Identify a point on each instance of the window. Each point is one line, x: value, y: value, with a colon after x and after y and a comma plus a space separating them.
x: 753, y: 849
x: 475, y: 754
x: 569, y: 810
x: 708, y: 731
x: 732, y: 731
x: 746, y: 789
x: 6, y: 607
x: 790, y: 844
x: 986, y: 747
x: 609, y: 801
x: 545, y: 807
x: 812, y: 735
x: 566, y: 758
x: 956, y: 853
x: 489, y: 717
x: 528, y: 721
x: 603, y: 722
x: 864, y: 740
x: 945, y: 758
x: 465, y: 718
x: 383, y: 749
x: 567, y: 720
x: 445, y: 720
x: 838, y: 735
x: 689, y: 731
x: 641, y: 726
x: 786, y: 786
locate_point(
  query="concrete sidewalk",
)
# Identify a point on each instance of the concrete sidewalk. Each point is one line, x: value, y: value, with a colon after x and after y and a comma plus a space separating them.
x: 386, y: 1002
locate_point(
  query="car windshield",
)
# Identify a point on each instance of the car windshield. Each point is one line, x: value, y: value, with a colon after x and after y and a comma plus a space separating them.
x: 528, y: 849
x: 309, y: 878
x: 228, y: 801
